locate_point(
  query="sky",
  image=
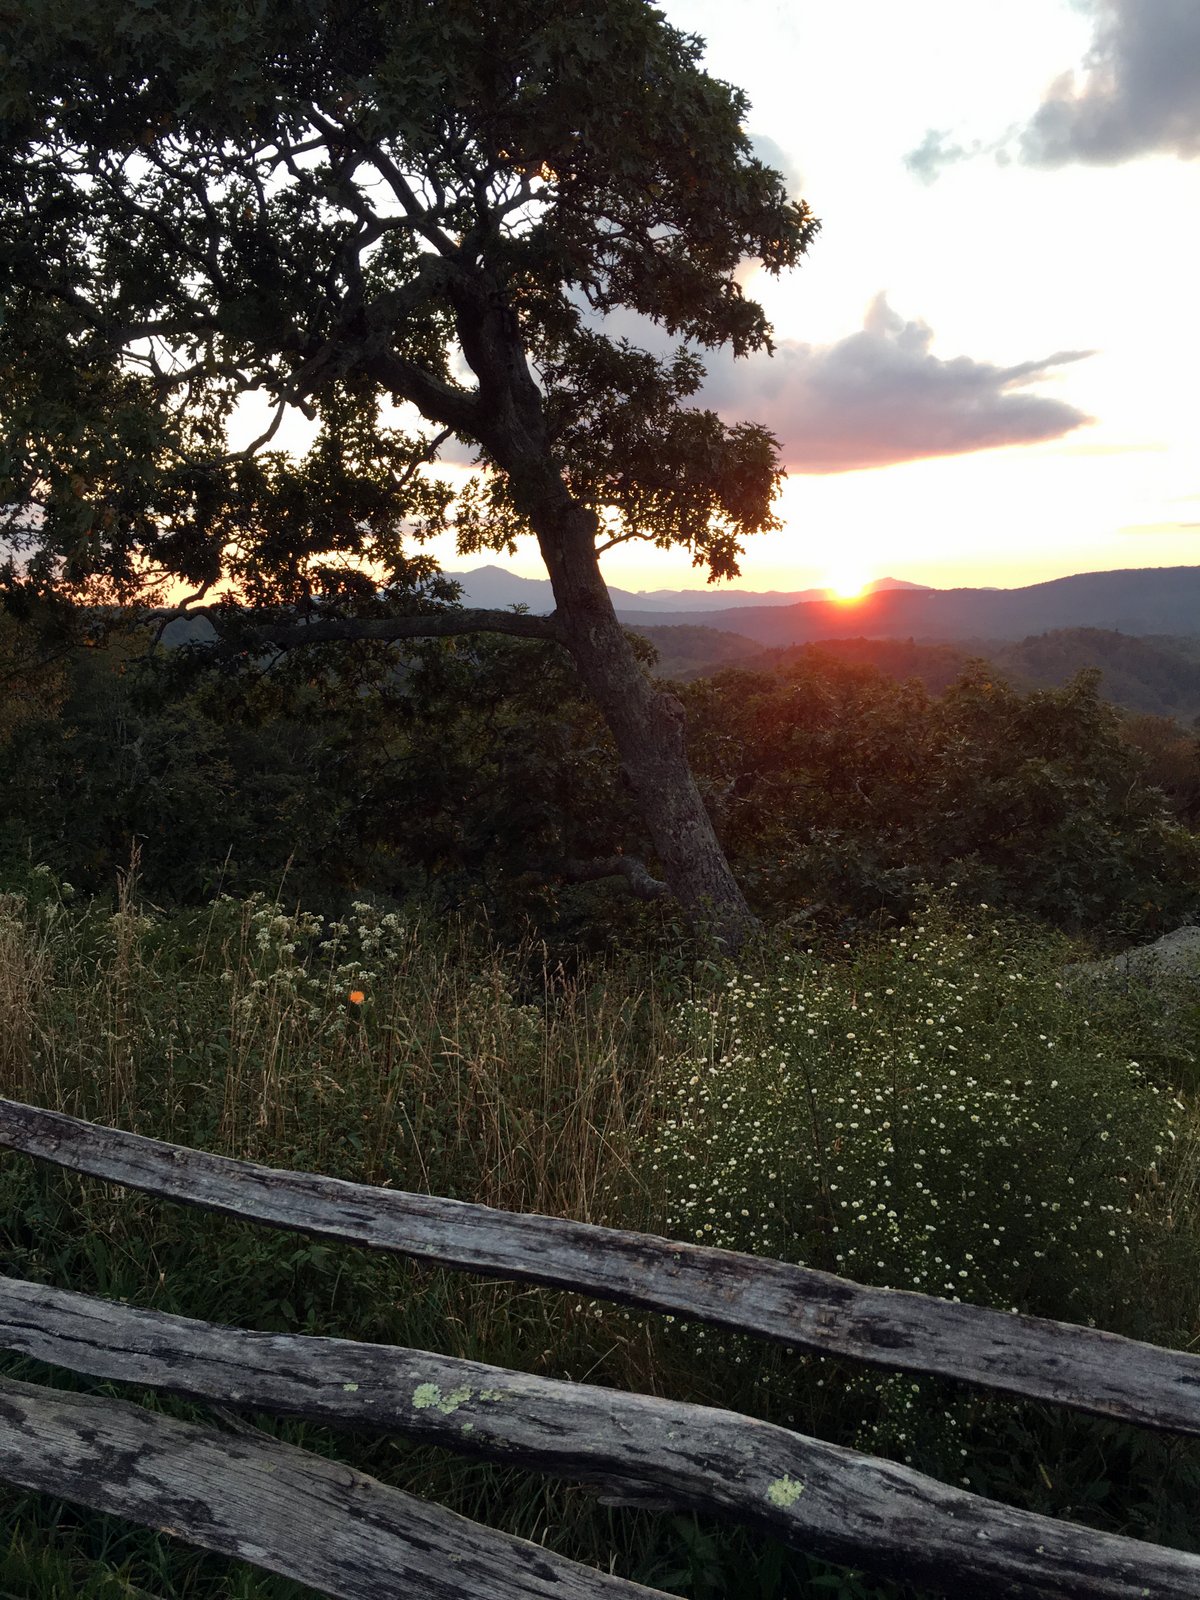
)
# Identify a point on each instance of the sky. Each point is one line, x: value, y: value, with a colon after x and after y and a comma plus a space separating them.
x: 986, y: 370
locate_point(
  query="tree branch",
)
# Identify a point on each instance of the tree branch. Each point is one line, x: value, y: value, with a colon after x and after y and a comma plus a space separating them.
x: 635, y: 873
x: 373, y: 153
x: 404, y: 378
x: 439, y: 401
x: 429, y: 625
x: 445, y: 403
x: 621, y: 538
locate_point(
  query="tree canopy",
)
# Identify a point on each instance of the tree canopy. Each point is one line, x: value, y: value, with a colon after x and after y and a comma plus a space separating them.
x: 415, y: 225
x: 338, y: 207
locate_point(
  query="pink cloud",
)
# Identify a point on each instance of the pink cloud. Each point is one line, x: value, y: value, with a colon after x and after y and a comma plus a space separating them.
x: 881, y: 396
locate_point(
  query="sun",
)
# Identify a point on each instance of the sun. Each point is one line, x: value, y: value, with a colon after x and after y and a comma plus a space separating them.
x: 846, y: 583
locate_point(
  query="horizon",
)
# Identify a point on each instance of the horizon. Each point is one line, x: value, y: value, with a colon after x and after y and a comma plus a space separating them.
x: 884, y: 581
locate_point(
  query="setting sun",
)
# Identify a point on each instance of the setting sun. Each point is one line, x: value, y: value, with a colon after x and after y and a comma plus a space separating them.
x: 847, y: 584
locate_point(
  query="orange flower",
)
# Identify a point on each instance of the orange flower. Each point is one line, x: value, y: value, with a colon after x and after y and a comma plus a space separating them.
x: 357, y: 997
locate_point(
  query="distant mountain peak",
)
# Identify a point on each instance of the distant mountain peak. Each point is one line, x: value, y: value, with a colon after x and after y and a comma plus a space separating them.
x: 897, y: 583
x: 491, y: 585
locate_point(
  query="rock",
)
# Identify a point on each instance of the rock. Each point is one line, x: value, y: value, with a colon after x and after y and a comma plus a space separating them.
x: 1175, y: 955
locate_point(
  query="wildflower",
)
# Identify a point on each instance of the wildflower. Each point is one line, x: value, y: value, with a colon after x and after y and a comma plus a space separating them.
x: 357, y: 997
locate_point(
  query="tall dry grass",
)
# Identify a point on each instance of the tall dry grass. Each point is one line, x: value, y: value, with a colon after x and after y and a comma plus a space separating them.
x: 463, y: 1069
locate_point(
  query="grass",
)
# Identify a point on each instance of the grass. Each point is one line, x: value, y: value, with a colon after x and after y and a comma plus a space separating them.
x: 464, y: 1071
x: 494, y: 1075
x: 480, y: 1069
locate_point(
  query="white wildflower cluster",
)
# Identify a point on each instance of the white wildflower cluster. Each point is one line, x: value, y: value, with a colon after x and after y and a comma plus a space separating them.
x: 45, y: 897
x: 127, y: 925
x: 296, y: 953
x: 935, y: 1115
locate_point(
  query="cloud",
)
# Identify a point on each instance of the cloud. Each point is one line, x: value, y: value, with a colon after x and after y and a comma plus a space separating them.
x: 939, y: 150
x: 1139, y: 91
x: 456, y: 452
x: 880, y: 396
x: 774, y: 155
x: 934, y: 154
x: 1136, y: 93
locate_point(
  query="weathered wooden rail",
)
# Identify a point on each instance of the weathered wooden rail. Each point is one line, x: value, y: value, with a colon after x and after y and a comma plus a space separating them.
x: 271, y: 1504
x: 337, y: 1530
x: 1081, y: 1368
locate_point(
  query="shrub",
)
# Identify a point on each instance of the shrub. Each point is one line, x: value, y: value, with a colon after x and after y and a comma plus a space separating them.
x: 838, y: 792
x: 936, y: 1113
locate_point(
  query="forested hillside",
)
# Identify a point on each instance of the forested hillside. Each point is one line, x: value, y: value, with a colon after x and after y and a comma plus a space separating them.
x: 1158, y: 676
x: 476, y: 774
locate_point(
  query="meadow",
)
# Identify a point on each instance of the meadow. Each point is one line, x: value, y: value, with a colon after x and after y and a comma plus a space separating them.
x: 936, y: 1105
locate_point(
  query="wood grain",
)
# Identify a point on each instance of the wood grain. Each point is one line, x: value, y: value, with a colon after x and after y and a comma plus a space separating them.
x: 1082, y: 1368
x: 275, y: 1506
x: 816, y: 1497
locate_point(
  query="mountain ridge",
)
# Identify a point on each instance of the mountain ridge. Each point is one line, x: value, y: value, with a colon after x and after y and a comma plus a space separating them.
x: 1152, y: 675
x: 1138, y: 600
x: 490, y: 586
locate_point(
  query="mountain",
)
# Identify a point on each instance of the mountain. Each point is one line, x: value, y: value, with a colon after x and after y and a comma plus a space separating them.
x: 492, y: 586
x: 722, y: 600
x: 1140, y: 601
x: 688, y: 651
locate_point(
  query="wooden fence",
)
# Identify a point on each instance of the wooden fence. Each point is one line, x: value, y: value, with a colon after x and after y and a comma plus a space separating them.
x: 240, y: 1492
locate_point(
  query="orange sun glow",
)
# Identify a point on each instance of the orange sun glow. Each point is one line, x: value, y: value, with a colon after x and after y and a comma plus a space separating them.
x: 846, y: 584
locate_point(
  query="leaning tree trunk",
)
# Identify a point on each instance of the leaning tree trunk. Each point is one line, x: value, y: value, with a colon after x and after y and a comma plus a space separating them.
x: 508, y: 417
x: 647, y: 725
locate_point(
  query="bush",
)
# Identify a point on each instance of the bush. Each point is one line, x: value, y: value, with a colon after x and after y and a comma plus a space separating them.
x: 838, y: 792
x: 936, y: 1113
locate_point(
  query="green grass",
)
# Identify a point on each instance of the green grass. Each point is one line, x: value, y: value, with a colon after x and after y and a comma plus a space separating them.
x: 489, y: 1075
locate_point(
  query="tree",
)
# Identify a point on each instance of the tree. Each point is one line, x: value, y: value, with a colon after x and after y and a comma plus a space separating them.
x: 843, y: 793
x: 410, y: 222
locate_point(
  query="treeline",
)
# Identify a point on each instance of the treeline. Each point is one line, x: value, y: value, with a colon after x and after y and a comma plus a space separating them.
x: 473, y: 773
x: 843, y: 789
x: 1151, y: 676
x: 1155, y: 682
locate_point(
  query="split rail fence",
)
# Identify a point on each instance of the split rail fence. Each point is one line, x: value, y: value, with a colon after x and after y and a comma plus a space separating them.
x: 243, y: 1493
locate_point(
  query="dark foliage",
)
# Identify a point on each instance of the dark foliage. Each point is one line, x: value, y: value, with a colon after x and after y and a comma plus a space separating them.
x: 838, y: 791
x: 467, y: 772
